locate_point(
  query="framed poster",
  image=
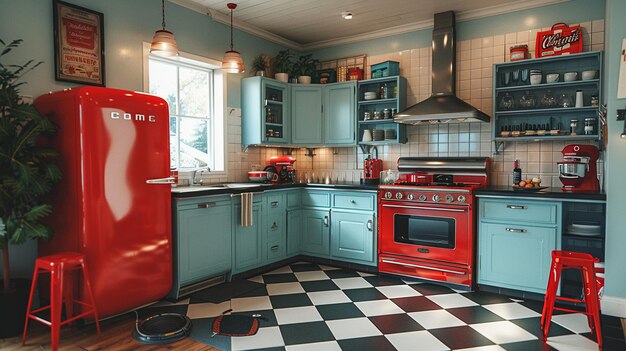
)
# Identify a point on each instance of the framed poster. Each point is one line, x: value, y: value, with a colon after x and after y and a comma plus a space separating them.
x: 78, y: 44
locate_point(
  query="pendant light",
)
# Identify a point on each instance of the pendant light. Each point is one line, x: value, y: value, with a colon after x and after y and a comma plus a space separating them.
x: 232, y: 61
x: 163, y: 42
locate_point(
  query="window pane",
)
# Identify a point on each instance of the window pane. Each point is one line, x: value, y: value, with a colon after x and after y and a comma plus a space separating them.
x: 173, y: 143
x: 194, y: 92
x: 194, y: 142
x: 163, y: 82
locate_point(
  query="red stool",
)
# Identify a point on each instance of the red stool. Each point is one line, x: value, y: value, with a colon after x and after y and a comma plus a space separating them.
x: 58, y: 265
x: 585, y: 263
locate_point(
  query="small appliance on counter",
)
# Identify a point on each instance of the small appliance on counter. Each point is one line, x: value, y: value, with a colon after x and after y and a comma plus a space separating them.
x: 283, y: 167
x: 578, y: 170
x: 371, y: 169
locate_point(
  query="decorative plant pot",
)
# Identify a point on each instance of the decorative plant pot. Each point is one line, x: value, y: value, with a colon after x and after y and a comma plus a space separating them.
x: 283, y: 77
x: 260, y: 73
x: 13, y: 305
x: 304, y: 79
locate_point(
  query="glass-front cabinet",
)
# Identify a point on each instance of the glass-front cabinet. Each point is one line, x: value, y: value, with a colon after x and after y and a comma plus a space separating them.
x: 377, y: 101
x: 554, y: 98
x: 265, y: 116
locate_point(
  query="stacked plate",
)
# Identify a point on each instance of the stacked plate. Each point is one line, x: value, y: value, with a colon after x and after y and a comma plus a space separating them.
x: 584, y: 229
x: 390, y: 134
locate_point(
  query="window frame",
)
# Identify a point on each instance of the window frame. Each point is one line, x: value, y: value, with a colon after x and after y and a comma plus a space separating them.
x: 218, y: 96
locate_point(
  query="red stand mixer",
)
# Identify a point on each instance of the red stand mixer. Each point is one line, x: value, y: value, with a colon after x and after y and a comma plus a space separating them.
x: 372, y: 168
x: 578, y: 171
x: 283, y: 166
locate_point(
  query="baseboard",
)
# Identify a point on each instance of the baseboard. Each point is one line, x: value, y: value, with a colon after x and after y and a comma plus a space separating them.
x: 613, y: 306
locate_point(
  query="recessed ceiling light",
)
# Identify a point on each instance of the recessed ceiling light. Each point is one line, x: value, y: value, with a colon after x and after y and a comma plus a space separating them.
x: 347, y: 15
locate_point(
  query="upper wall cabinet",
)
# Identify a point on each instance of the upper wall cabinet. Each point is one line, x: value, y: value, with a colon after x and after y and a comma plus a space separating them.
x: 265, y: 108
x: 378, y: 100
x: 275, y: 113
x: 554, y: 98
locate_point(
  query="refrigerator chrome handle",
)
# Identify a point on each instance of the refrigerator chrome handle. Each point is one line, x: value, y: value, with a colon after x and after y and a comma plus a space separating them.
x: 168, y: 180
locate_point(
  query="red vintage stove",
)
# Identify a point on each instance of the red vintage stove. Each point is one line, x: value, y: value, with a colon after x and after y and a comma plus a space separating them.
x: 426, y: 219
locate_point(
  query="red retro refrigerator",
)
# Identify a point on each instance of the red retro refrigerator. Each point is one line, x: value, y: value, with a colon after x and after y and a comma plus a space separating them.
x: 114, y: 202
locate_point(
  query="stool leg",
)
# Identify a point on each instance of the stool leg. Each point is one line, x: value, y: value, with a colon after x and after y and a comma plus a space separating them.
x: 30, y: 303
x: 68, y: 293
x: 56, y: 298
x: 90, y: 292
x: 550, y: 298
x: 592, y: 303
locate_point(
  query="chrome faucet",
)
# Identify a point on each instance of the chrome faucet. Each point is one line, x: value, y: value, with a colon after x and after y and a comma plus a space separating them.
x: 195, y: 182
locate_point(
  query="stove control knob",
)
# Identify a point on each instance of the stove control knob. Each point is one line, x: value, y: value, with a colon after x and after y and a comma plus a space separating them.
x: 436, y: 198
x: 449, y: 198
x: 461, y: 198
x: 410, y: 197
x: 388, y: 195
x: 422, y: 197
x: 399, y: 196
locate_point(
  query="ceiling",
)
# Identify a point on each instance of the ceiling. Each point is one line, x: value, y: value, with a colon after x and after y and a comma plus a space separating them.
x: 310, y: 24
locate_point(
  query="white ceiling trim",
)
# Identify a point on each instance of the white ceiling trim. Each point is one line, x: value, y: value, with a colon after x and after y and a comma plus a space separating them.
x: 402, y: 29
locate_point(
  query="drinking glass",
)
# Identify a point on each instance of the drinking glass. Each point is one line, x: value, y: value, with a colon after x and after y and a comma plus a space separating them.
x: 525, y: 74
x: 505, y: 78
x: 515, y: 76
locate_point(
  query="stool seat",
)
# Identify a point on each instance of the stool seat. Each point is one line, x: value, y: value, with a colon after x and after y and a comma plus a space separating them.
x: 583, y: 262
x: 59, y: 266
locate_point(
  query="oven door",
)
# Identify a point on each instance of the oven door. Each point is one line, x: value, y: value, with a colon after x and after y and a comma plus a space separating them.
x: 432, y: 231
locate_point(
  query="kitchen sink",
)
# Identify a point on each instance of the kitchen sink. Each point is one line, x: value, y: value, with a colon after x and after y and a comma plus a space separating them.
x: 193, y: 188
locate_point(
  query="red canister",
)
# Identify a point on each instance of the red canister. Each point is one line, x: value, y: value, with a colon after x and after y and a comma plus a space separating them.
x: 519, y: 52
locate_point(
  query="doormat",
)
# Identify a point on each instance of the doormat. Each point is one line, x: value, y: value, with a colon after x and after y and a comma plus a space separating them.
x: 226, y: 291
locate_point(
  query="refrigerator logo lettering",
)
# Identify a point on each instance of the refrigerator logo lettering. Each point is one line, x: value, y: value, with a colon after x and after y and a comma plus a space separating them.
x: 131, y: 117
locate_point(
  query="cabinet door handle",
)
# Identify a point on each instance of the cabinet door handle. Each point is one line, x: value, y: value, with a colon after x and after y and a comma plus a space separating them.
x: 274, y: 203
x: 370, y: 225
x: 516, y: 207
x: 326, y: 221
x: 274, y: 248
x: 207, y: 204
x: 353, y: 202
x: 513, y: 230
x: 274, y: 226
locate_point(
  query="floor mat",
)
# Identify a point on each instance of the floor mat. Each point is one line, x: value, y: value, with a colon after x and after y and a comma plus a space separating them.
x: 226, y: 291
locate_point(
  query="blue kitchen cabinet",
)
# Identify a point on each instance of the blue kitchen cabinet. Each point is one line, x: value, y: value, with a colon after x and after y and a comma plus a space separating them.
x: 515, y: 239
x: 265, y: 109
x: 353, y: 237
x: 306, y: 114
x: 276, y: 226
x: 516, y: 256
x: 294, y: 230
x: 339, y: 114
x: 202, y: 241
x: 248, y: 241
x: 315, y: 234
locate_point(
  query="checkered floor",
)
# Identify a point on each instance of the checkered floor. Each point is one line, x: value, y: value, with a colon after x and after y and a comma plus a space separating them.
x: 316, y: 307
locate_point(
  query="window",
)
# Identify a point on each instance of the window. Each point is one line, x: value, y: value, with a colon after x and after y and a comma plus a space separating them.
x: 193, y: 89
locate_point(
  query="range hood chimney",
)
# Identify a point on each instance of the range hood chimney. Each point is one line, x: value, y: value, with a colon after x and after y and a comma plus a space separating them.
x: 443, y: 105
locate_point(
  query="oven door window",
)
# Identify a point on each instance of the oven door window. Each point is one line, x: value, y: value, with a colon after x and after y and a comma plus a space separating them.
x: 425, y: 231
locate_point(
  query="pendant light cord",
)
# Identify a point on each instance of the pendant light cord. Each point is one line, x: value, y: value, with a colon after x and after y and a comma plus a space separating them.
x: 231, y: 29
x: 163, y: 14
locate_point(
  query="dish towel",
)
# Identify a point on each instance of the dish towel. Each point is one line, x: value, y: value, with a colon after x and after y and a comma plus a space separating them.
x: 246, y: 210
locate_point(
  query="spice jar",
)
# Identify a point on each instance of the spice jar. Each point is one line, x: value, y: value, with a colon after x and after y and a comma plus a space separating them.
x: 367, y: 116
x: 573, y: 124
x: 594, y: 100
x: 387, y: 113
x: 377, y: 115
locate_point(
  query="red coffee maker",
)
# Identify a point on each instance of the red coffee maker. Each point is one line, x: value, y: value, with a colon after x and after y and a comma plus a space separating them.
x: 284, y: 168
x: 371, y: 169
x: 578, y: 171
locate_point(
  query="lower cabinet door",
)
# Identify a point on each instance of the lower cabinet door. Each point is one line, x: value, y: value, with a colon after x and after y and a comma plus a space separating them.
x: 248, y: 241
x: 204, y: 242
x: 352, y: 236
x: 294, y: 229
x: 314, y: 239
x: 515, y: 256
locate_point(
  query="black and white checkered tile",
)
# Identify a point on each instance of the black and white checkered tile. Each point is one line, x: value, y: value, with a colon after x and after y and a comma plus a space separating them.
x: 316, y: 307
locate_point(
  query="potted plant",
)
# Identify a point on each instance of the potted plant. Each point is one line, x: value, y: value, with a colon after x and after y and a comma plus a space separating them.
x: 27, y: 173
x: 282, y: 65
x: 304, y: 68
x: 259, y: 64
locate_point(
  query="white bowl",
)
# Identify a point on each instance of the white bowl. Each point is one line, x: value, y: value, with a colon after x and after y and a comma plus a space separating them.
x: 370, y: 95
x: 535, y: 79
x: 570, y: 76
x: 586, y: 75
x: 552, y: 78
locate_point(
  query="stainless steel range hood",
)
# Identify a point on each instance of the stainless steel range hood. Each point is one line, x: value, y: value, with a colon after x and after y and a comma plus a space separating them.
x: 443, y: 105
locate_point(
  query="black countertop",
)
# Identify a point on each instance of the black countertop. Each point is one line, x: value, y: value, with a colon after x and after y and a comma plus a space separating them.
x: 551, y: 193
x: 218, y: 189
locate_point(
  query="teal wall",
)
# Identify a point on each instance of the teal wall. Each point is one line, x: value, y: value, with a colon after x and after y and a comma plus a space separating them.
x: 616, y: 155
x: 574, y: 11
x: 127, y: 25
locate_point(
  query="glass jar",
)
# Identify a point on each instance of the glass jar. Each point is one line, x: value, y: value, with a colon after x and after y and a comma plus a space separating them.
x: 507, y: 102
x: 548, y: 100
x: 594, y: 100
x: 527, y: 101
x: 590, y: 126
x: 573, y: 125
x: 565, y: 101
x: 367, y: 116
x: 377, y: 115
